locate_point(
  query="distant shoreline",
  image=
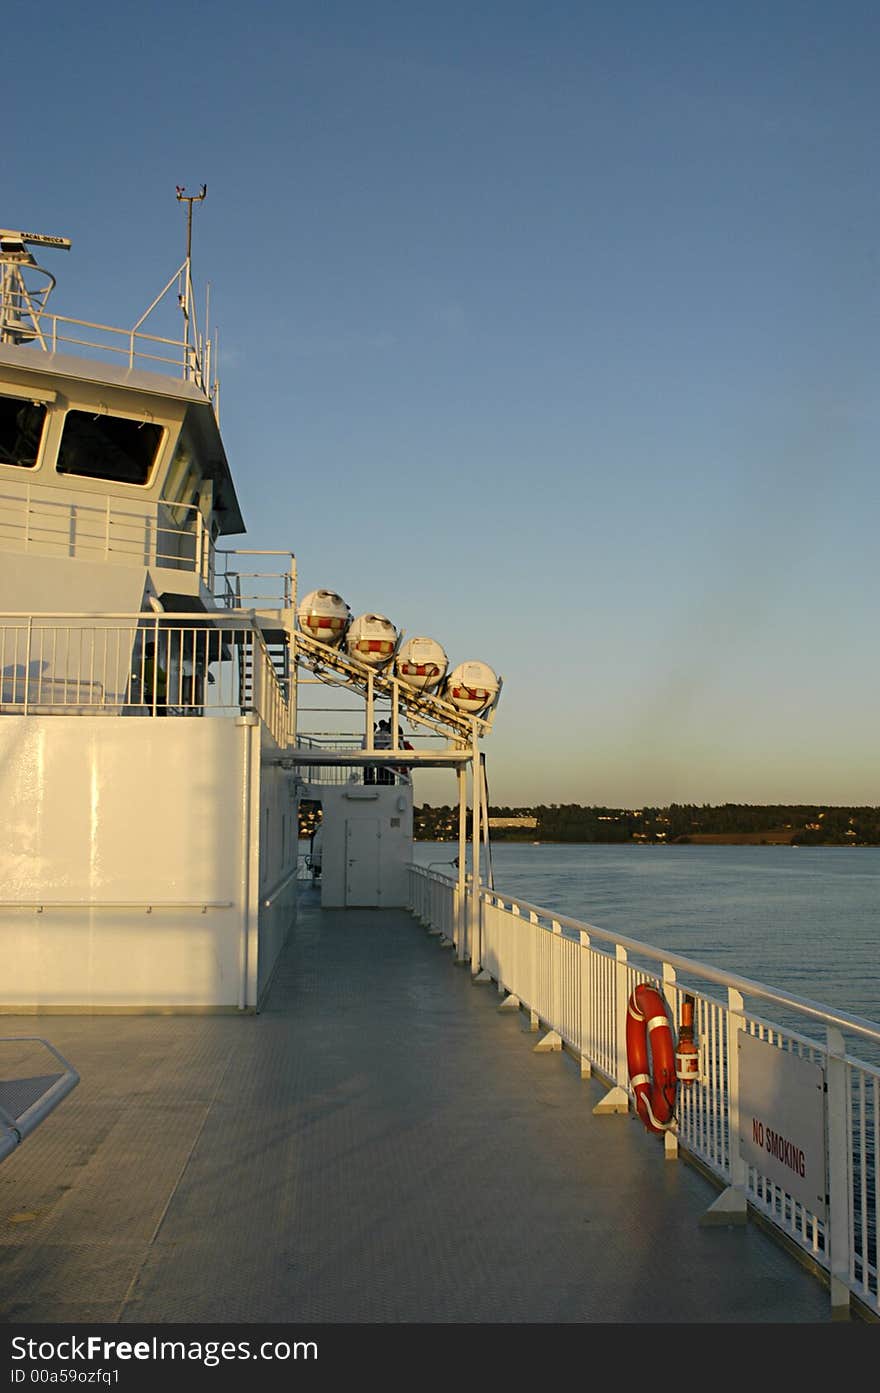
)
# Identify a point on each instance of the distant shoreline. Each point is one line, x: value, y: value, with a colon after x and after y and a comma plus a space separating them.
x: 706, y: 839
x: 679, y: 824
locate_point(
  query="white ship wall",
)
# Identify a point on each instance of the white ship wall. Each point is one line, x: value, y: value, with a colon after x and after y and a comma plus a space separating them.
x: 33, y: 584
x: 367, y: 844
x: 279, y: 851
x: 136, y: 813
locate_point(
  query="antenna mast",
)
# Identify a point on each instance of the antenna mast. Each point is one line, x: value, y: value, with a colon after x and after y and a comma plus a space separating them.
x: 185, y: 297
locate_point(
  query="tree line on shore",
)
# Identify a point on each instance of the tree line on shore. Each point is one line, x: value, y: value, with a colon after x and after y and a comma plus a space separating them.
x: 774, y: 824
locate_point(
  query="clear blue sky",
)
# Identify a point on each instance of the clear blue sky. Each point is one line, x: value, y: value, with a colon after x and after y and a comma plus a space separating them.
x: 550, y: 330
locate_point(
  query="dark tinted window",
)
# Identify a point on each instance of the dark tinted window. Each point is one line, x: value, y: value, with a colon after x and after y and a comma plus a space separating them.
x: 21, y: 429
x: 108, y: 447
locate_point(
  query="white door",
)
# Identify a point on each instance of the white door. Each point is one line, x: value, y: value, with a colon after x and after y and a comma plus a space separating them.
x: 362, y: 841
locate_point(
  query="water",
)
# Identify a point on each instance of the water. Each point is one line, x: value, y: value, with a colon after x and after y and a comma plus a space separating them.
x: 805, y: 919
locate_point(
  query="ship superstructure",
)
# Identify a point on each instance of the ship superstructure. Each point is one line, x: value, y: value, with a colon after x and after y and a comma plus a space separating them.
x: 136, y: 849
x: 151, y: 863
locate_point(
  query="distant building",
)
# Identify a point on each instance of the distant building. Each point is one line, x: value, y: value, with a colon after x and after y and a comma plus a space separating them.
x: 523, y: 822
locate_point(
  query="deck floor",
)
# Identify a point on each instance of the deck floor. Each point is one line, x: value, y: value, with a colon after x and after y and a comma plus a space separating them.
x: 378, y: 1145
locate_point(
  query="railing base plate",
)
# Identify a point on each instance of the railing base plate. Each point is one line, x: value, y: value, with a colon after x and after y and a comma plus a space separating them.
x: 616, y: 1100
x: 728, y: 1210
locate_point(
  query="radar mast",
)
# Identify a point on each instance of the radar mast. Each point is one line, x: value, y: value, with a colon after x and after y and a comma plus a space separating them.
x: 22, y: 304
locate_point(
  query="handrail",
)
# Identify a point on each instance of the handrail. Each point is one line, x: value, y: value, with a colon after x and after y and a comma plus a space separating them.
x: 228, y: 582
x: 280, y: 886
x: 147, y: 905
x: 815, y: 1009
x: 160, y: 532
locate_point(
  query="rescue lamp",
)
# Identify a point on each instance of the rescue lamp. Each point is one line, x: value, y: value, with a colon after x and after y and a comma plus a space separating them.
x: 687, y: 1059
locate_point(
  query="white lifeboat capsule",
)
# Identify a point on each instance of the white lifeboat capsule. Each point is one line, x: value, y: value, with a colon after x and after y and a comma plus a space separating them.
x: 324, y: 616
x: 471, y: 687
x: 372, y: 638
x: 421, y: 663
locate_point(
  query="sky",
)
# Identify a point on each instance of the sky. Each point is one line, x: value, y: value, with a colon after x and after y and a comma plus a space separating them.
x: 548, y: 330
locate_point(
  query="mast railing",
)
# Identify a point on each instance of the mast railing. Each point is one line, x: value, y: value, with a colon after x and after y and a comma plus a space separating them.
x: 25, y: 321
x: 134, y: 346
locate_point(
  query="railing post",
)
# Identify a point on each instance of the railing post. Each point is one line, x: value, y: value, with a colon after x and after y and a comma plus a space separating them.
x: 585, y: 1007
x: 476, y: 898
x: 839, y: 1189
x: 256, y: 665
x: 157, y: 659
x: 369, y: 714
x: 516, y: 980
x: 502, y: 944
x: 293, y: 683
x: 731, y: 1206
x: 670, y: 1137
x: 621, y: 1002
x: 449, y: 903
x: 616, y: 1100
x: 735, y: 1024
x: 461, y: 942
x: 535, y: 1001
x: 556, y: 971
x: 27, y: 663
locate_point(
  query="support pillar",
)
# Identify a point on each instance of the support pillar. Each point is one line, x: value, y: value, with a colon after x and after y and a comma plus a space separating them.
x: 461, y: 942
x: 476, y: 815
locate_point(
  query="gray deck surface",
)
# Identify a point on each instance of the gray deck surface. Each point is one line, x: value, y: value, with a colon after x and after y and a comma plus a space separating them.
x: 379, y: 1144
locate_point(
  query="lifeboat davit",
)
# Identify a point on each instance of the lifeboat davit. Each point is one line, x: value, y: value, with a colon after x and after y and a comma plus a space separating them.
x: 325, y: 616
x: 372, y: 638
x: 421, y: 663
x: 471, y: 687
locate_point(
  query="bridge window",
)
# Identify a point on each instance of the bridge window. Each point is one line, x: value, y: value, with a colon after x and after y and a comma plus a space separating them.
x: 115, y: 448
x: 21, y: 430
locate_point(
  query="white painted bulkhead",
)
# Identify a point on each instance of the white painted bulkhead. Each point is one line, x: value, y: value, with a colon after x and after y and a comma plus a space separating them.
x: 367, y: 844
x: 140, y: 860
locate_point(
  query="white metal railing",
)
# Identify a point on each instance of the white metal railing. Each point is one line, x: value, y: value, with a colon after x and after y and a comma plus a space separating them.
x: 329, y: 773
x: 238, y: 585
x: 148, y: 906
x: 133, y: 346
x: 24, y: 319
x: 577, y: 980
x: 138, y: 665
x: 336, y: 774
x: 174, y: 535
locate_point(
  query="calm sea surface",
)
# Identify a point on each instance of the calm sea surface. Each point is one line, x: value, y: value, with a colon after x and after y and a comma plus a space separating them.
x: 804, y: 919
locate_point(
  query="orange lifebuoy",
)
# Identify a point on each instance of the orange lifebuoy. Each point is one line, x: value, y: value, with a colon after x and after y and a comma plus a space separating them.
x: 647, y: 1021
